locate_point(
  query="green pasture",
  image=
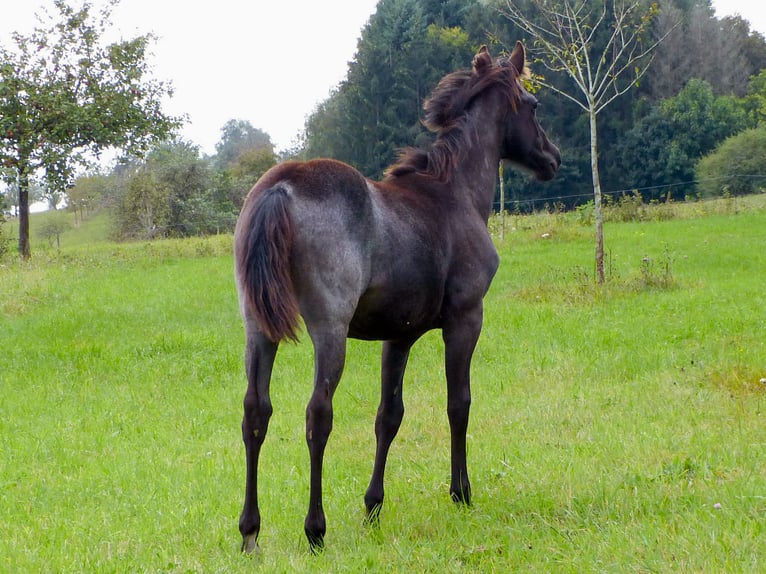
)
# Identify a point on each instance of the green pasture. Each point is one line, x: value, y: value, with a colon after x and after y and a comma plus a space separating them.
x: 619, y: 428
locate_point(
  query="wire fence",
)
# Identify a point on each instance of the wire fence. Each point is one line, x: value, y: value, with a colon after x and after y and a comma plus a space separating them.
x: 526, y: 205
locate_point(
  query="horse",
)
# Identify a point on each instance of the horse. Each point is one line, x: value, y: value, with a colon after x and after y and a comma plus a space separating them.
x: 382, y: 260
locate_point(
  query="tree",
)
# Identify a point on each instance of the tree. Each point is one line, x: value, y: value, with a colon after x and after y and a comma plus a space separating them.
x: 237, y: 137
x: 86, y: 194
x: 381, y: 96
x: 244, y: 154
x: 143, y: 212
x: 662, y: 148
x: 178, y: 167
x: 64, y: 95
x: 601, y: 48
x: 167, y: 195
x: 247, y: 169
x: 755, y: 101
x: 52, y: 228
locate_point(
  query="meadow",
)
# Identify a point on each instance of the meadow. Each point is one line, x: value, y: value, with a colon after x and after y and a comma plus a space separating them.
x: 614, y: 428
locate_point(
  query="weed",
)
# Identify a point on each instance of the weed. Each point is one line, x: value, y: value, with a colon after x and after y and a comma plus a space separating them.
x: 657, y: 272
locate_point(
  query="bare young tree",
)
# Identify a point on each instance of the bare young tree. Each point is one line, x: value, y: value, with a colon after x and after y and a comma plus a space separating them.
x: 603, y: 47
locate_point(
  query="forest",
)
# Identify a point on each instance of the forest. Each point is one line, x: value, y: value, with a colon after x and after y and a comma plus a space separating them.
x: 692, y: 127
x: 706, y: 84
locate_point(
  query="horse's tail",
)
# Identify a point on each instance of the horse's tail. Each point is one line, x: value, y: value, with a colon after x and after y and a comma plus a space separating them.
x: 263, y: 262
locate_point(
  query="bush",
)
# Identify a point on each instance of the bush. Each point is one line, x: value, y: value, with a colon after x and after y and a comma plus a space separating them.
x: 628, y: 207
x: 736, y: 167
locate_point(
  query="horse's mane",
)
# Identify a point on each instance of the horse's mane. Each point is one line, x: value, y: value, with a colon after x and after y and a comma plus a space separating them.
x: 445, y: 115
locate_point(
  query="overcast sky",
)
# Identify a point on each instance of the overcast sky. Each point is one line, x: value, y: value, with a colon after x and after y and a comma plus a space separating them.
x: 265, y: 61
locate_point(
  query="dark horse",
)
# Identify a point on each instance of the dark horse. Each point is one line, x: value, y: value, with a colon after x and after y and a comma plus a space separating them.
x: 386, y: 261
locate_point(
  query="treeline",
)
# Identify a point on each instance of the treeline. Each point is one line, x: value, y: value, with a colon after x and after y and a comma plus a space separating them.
x: 703, y: 97
x: 175, y: 191
x: 707, y: 83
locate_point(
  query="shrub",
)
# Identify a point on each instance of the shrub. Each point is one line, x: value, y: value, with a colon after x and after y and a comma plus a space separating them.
x: 628, y: 207
x: 736, y: 167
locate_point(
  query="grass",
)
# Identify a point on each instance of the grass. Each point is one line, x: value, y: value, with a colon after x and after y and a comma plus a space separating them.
x: 614, y: 429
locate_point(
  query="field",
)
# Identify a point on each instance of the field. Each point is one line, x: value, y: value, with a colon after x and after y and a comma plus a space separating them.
x: 614, y: 429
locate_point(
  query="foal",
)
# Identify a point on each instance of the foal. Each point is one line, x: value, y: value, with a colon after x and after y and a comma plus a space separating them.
x: 386, y: 261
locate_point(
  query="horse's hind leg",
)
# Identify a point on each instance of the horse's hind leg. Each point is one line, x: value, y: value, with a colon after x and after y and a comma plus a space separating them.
x: 388, y: 420
x: 460, y: 337
x: 329, y: 359
x: 259, y: 360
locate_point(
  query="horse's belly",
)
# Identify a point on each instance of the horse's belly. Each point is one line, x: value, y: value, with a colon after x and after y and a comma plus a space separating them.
x: 395, y: 317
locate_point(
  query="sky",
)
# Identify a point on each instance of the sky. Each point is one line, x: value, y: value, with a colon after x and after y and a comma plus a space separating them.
x: 269, y: 62
x: 754, y: 11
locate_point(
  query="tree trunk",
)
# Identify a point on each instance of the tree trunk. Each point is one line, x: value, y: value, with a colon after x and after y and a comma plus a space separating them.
x: 597, y: 197
x: 24, y: 249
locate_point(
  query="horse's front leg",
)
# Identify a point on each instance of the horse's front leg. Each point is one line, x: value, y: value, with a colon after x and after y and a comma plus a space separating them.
x: 460, y: 335
x: 259, y: 360
x: 388, y: 420
x: 329, y: 358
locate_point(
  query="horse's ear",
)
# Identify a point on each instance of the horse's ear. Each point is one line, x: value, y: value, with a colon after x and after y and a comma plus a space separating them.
x: 482, y: 61
x: 518, y: 57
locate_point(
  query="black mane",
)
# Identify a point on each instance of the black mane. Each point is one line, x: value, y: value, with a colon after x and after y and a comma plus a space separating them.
x: 445, y: 115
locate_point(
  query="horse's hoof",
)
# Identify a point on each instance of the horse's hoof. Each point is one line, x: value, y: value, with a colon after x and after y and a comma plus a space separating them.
x: 250, y: 544
x: 372, y: 518
x: 462, y: 497
x: 316, y: 543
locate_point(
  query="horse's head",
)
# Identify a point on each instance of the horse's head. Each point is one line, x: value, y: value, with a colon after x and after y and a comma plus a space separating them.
x: 494, y: 87
x: 525, y: 143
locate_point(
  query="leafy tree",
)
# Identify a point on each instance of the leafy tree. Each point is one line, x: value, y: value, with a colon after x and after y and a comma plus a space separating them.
x: 52, y: 228
x: 178, y: 167
x: 699, y: 121
x: 736, y: 167
x: 663, y: 147
x: 324, y: 128
x: 382, y: 93
x: 244, y: 154
x: 237, y: 137
x: 87, y: 194
x: 599, y: 46
x: 168, y: 195
x: 143, y: 210
x: 247, y: 169
x: 63, y: 94
x: 755, y: 101
x: 400, y: 55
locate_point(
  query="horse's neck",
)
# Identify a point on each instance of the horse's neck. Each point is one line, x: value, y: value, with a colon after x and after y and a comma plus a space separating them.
x: 477, y: 172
